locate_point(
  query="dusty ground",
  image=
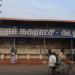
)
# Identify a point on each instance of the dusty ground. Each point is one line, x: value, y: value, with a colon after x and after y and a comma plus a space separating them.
x: 25, y: 70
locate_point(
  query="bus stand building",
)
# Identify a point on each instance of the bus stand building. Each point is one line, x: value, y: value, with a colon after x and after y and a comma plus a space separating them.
x: 32, y: 39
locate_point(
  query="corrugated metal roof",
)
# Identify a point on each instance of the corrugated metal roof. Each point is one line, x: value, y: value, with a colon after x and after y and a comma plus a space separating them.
x: 19, y: 19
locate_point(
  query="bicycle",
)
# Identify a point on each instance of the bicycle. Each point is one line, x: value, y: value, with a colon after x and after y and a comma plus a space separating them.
x: 64, y: 68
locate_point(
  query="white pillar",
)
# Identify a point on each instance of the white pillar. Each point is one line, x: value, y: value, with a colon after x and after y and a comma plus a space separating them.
x: 2, y: 56
x: 28, y: 56
x: 40, y: 56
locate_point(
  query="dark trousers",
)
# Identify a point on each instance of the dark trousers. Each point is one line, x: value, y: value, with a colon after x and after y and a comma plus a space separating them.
x: 51, y: 70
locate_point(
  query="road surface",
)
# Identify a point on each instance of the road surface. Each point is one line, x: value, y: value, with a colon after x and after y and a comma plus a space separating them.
x: 25, y: 70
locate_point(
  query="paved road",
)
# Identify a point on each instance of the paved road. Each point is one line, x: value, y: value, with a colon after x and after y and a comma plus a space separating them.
x: 24, y: 70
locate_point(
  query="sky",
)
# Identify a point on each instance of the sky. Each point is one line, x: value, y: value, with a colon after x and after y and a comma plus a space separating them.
x: 38, y: 9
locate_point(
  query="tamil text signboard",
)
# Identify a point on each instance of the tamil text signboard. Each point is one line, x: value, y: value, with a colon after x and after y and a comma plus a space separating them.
x: 48, y: 33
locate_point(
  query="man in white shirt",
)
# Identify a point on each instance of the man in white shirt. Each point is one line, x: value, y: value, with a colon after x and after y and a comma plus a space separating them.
x: 52, y: 61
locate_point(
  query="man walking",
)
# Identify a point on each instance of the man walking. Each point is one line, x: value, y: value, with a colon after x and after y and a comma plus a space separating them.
x: 52, y: 62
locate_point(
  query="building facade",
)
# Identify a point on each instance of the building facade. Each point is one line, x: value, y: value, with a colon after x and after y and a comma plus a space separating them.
x: 32, y: 39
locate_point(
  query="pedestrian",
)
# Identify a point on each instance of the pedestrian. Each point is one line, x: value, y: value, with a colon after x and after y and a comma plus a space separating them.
x: 13, y: 56
x: 62, y: 62
x: 52, y: 63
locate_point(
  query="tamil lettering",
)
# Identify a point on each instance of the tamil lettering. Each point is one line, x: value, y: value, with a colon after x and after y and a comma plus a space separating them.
x: 66, y: 33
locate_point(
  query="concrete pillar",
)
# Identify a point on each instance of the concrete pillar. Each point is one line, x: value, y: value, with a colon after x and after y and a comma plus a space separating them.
x: 40, y: 56
x: 2, y: 56
x: 28, y: 56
